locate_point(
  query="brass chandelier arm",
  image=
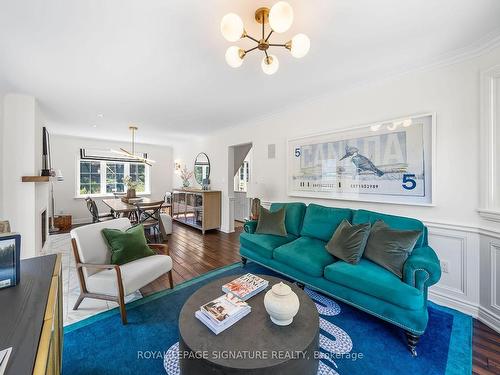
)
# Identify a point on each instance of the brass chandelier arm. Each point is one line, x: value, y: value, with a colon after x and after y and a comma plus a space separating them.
x: 271, y: 33
x: 251, y: 49
x: 250, y: 37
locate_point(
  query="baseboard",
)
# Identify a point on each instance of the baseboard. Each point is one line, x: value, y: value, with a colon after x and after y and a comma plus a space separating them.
x: 455, y: 303
x: 489, y: 318
x: 479, y: 312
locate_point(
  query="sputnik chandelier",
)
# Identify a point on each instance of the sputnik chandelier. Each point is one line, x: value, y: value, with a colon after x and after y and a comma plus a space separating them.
x: 280, y: 18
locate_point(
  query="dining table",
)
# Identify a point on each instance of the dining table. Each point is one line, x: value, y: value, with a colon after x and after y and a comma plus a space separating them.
x: 119, y: 207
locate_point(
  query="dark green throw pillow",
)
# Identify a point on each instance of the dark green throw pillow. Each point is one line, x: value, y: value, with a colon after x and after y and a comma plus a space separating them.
x: 127, y: 246
x: 349, y: 241
x: 271, y: 222
x: 390, y: 248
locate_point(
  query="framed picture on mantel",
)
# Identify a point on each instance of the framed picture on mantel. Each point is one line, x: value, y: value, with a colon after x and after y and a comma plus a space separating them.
x: 387, y: 162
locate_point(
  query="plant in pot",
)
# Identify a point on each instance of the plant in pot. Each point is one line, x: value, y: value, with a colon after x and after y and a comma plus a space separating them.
x: 186, y: 175
x: 131, y: 186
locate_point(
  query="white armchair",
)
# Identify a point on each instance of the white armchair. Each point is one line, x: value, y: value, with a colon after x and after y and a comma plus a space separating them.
x: 102, y: 280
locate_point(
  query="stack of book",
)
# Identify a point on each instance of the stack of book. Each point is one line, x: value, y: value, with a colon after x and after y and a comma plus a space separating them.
x: 246, y: 286
x: 222, y: 312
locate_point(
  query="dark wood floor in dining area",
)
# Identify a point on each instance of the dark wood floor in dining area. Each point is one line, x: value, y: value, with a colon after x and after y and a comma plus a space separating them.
x: 194, y: 254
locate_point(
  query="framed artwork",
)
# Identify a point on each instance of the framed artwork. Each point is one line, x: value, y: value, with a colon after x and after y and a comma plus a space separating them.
x: 389, y: 162
x: 10, y: 250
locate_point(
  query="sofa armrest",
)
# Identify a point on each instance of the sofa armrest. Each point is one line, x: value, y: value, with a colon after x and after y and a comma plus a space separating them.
x: 250, y: 226
x: 422, y: 268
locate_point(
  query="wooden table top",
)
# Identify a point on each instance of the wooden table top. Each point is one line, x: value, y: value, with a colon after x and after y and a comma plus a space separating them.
x: 117, y: 205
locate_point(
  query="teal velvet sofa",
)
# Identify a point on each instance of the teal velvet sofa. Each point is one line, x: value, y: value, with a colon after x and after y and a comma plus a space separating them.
x: 302, y: 256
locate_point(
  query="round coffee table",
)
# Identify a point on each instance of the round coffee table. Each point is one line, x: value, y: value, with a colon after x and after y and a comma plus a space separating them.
x: 253, y: 345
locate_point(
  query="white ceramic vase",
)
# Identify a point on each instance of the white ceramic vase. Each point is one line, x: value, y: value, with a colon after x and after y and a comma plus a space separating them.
x: 282, y: 304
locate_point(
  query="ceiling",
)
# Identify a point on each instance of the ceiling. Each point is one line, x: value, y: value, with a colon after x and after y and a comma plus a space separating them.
x: 160, y: 63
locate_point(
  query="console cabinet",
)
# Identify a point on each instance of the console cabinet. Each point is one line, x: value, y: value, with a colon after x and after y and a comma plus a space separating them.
x: 197, y: 208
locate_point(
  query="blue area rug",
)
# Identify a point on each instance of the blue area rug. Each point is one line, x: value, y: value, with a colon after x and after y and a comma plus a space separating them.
x: 352, y: 342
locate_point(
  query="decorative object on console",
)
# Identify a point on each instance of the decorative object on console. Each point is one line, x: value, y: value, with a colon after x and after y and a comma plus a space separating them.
x: 282, y: 304
x: 55, y: 175
x: 4, y: 226
x: 10, y: 254
x: 202, y: 170
x: 132, y: 155
x: 186, y: 175
x: 46, y: 161
x: 388, y: 161
x: 280, y: 19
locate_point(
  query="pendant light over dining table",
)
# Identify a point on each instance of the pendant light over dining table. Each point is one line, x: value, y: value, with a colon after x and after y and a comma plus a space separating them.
x: 132, y: 155
x: 280, y: 19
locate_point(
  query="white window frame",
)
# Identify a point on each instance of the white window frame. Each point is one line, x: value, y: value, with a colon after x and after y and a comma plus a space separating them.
x: 147, y: 179
x: 489, y: 141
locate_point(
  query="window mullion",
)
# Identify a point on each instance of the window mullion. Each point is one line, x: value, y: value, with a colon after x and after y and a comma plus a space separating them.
x: 103, y: 177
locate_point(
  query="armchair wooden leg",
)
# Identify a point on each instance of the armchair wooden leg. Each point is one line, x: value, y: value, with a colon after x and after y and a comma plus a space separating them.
x: 123, y: 311
x: 78, y: 302
x: 170, y: 279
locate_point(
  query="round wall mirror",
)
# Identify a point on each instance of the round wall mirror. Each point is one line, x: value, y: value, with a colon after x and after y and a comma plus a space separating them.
x: 201, y: 168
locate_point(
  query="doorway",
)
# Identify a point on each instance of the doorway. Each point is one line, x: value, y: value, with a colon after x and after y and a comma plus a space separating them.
x: 239, y: 176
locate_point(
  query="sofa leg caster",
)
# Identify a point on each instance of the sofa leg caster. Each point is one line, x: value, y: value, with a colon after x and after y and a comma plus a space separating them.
x: 243, y: 261
x: 300, y: 285
x: 412, y: 340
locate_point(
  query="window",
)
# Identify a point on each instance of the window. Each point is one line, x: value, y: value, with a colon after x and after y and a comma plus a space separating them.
x: 97, y: 178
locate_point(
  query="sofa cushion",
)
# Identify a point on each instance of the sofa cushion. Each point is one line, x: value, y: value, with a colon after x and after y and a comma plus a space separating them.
x: 371, y: 279
x: 135, y: 275
x: 393, y: 222
x: 294, y: 215
x: 321, y: 222
x: 264, y: 244
x: 349, y: 241
x: 390, y: 248
x: 305, y: 254
x: 271, y: 222
x: 127, y: 246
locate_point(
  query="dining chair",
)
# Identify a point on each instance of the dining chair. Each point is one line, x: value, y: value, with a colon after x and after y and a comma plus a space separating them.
x: 100, y: 279
x: 148, y: 214
x: 167, y: 207
x: 94, y: 211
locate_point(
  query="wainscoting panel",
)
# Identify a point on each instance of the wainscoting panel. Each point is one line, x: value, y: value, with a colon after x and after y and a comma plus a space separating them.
x: 495, y: 275
x: 451, y: 248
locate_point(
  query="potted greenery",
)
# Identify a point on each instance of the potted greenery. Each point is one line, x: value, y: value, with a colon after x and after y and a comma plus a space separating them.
x: 186, y: 175
x: 131, y: 186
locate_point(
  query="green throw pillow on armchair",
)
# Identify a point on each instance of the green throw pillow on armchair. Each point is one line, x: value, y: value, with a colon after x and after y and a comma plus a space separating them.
x: 271, y: 222
x: 349, y: 241
x: 127, y: 246
x: 390, y: 248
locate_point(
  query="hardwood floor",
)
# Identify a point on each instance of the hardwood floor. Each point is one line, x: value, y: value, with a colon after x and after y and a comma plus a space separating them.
x: 194, y: 255
x: 485, y: 350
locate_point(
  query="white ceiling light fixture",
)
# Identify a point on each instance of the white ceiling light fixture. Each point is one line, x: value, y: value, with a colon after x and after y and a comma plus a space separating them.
x: 131, y: 154
x: 280, y: 19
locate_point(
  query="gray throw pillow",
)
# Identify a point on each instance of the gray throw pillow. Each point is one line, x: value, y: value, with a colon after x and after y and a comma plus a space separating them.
x: 390, y: 248
x: 271, y: 222
x: 349, y: 241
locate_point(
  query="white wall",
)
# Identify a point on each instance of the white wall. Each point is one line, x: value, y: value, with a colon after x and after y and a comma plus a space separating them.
x: 2, y: 214
x: 65, y: 153
x: 23, y: 202
x: 452, y: 92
